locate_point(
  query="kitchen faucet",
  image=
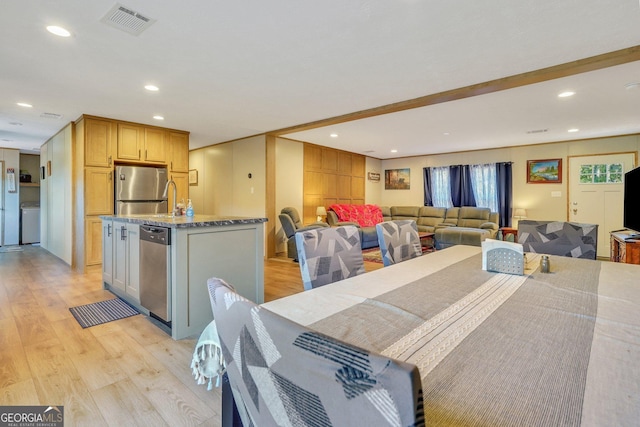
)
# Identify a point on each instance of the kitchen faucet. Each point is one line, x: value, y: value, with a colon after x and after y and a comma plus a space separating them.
x: 175, y: 196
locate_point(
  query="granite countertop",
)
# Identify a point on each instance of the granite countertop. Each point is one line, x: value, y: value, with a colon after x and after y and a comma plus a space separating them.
x: 184, y: 221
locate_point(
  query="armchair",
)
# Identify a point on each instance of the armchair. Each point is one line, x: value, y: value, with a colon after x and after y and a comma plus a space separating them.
x: 291, y: 224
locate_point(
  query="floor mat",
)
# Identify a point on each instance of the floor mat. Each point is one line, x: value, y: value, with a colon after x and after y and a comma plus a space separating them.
x: 102, y: 312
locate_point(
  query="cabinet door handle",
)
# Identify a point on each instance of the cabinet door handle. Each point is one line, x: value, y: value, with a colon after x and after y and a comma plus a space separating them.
x: 171, y: 165
x: 123, y: 233
x: 108, y: 230
x: 110, y: 175
x: 138, y: 153
x: 146, y: 156
x: 110, y: 160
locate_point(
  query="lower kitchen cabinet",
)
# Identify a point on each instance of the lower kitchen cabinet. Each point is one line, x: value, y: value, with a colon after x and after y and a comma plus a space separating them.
x: 126, y: 259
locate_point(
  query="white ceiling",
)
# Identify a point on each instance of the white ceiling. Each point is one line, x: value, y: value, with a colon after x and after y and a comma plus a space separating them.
x: 228, y: 70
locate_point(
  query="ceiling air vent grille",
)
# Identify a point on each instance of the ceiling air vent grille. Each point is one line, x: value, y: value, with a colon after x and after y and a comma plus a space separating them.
x: 537, y: 131
x: 51, y: 116
x: 125, y: 19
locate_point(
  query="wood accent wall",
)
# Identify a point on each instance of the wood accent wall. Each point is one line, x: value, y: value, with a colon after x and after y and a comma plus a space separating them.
x: 331, y: 176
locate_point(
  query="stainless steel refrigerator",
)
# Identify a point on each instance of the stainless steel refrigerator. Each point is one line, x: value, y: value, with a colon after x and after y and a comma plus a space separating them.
x: 138, y: 190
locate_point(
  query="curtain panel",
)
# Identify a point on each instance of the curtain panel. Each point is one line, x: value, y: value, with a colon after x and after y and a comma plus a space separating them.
x: 461, y: 180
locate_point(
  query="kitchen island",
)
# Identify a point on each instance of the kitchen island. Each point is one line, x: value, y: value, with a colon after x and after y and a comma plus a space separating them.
x: 204, y: 246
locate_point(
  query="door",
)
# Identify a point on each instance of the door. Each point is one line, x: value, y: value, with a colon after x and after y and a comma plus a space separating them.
x: 596, y: 193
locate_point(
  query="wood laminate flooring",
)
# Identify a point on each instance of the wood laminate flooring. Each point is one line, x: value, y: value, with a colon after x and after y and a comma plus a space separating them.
x: 123, y: 373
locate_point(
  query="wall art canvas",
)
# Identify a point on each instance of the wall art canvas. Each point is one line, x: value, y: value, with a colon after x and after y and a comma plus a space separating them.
x: 397, y: 179
x: 544, y: 171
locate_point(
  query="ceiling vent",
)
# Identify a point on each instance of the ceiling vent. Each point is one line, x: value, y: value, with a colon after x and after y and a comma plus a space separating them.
x: 51, y: 116
x: 537, y: 131
x: 127, y: 20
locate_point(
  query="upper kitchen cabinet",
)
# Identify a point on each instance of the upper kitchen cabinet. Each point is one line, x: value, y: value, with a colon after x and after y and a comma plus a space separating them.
x: 179, y: 151
x: 98, y: 137
x: 141, y: 144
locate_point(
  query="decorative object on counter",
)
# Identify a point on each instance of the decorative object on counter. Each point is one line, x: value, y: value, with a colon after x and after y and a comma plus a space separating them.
x: 545, y: 264
x: 181, y: 208
x: 101, y: 312
x: 321, y: 212
x: 503, y: 257
x: 189, y: 209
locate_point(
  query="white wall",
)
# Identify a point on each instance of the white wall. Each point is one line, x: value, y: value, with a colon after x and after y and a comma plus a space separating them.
x: 224, y: 187
x: 536, y: 198
x: 11, y: 224
x: 289, y: 177
x: 372, y: 189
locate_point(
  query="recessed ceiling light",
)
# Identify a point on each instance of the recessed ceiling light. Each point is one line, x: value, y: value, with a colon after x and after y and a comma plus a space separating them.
x: 152, y: 88
x: 634, y: 85
x: 573, y: 130
x: 24, y: 104
x: 446, y: 134
x: 58, y: 31
x: 333, y: 135
x: 394, y: 151
x: 15, y: 123
x: 158, y: 117
x: 566, y: 94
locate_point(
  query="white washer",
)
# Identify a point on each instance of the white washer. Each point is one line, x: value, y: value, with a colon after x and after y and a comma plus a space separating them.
x: 30, y: 218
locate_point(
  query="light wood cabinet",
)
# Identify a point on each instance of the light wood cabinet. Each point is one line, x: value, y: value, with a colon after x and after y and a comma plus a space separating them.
x: 141, y: 143
x: 129, y: 141
x: 98, y: 191
x: 93, y: 241
x: 98, y: 142
x: 182, y: 187
x: 154, y: 145
x: 178, y: 151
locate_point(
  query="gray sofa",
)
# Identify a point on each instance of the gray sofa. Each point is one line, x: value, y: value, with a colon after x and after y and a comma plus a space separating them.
x: 464, y: 226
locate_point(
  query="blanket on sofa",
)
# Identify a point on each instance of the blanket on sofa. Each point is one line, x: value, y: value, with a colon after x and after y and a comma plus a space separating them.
x: 364, y: 215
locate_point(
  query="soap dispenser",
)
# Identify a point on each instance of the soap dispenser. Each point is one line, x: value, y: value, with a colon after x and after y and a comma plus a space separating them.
x: 189, y: 208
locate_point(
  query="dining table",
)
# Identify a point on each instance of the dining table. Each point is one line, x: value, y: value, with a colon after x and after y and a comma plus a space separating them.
x: 496, y: 349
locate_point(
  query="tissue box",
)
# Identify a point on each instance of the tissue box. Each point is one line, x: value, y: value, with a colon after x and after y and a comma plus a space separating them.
x: 502, y: 257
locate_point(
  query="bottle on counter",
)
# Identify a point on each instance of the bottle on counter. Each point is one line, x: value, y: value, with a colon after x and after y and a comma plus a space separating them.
x: 189, y: 208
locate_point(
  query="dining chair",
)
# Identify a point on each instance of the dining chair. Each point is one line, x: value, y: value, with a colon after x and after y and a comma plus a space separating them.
x: 327, y: 255
x: 398, y: 240
x: 570, y: 239
x: 282, y: 373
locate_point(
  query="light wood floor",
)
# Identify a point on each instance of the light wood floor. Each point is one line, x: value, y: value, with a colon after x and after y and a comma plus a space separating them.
x: 123, y: 373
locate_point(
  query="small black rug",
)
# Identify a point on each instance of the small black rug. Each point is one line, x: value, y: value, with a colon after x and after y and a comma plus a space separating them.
x: 102, y: 312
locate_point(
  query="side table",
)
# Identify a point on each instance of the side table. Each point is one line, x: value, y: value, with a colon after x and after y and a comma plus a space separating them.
x: 506, y: 231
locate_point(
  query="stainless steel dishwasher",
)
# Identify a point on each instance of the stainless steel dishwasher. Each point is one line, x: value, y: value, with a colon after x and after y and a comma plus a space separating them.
x: 155, y: 264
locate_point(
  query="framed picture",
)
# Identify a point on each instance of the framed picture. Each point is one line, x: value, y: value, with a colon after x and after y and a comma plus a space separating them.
x: 547, y: 171
x: 397, y: 179
x: 193, y: 176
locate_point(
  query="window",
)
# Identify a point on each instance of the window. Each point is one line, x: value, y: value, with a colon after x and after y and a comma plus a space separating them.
x: 601, y: 174
x: 484, y: 182
x: 441, y: 191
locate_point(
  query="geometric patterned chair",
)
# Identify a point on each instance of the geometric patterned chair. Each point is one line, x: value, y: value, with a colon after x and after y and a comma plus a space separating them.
x: 327, y: 255
x: 282, y: 373
x: 399, y: 241
x: 569, y: 239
